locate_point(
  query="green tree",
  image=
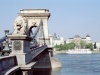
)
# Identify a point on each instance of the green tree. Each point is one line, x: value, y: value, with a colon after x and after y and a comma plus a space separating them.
x: 65, y: 46
x: 72, y: 45
x: 82, y: 44
x: 90, y: 46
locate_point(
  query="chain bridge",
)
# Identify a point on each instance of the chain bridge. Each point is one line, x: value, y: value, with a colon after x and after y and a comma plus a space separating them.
x: 25, y: 50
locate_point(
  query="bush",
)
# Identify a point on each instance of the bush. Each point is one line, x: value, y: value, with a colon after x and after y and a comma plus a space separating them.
x: 65, y: 46
x: 90, y: 46
x: 82, y: 44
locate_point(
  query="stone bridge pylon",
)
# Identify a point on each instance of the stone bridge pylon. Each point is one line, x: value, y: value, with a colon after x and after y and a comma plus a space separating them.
x: 34, y: 16
x: 23, y: 24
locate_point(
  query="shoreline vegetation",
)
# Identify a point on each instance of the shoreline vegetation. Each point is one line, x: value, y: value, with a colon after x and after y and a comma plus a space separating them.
x: 63, y: 48
x: 72, y: 45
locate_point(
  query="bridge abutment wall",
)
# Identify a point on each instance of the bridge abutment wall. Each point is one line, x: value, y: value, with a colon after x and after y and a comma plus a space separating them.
x: 6, y: 63
x: 43, y: 60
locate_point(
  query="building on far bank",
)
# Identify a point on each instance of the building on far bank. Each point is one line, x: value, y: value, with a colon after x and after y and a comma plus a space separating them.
x: 56, y: 40
x: 77, y: 39
x: 97, y: 46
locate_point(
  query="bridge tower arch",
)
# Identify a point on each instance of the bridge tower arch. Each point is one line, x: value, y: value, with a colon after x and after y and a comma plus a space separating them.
x: 34, y: 16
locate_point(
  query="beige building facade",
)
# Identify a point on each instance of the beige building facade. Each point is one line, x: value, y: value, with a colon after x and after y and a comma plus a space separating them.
x: 77, y: 39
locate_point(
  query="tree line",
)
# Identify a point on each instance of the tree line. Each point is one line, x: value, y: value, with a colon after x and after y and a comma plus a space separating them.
x: 72, y: 45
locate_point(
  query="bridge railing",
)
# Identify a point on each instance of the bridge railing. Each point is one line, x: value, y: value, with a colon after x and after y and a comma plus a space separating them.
x: 37, y: 50
x: 6, y: 63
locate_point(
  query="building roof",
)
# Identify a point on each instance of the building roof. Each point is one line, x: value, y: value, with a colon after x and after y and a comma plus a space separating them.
x: 83, y: 38
x: 70, y: 38
x: 87, y: 35
x: 77, y: 36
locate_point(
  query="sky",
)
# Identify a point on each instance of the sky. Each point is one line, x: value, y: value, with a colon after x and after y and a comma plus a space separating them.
x: 68, y: 17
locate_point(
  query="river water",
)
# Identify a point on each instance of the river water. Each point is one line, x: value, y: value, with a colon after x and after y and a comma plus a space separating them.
x: 85, y: 64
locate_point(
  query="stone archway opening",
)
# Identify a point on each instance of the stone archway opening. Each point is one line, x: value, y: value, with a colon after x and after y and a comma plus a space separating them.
x: 32, y: 30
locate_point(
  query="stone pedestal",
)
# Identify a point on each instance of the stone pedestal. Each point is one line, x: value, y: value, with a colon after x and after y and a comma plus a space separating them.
x: 21, y: 48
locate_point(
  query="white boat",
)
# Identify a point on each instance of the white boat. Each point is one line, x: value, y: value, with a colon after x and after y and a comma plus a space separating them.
x: 79, y: 51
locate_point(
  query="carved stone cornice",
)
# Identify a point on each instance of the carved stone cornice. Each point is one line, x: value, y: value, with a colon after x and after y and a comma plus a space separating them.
x: 35, y: 14
x: 35, y: 9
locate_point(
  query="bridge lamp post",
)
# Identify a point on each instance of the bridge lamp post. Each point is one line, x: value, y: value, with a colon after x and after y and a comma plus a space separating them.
x: 6, y: 49
x: 6, y: 32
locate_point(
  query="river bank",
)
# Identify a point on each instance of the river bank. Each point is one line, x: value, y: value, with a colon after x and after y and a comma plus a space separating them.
x: 57, y: 52
x: 65, y: 51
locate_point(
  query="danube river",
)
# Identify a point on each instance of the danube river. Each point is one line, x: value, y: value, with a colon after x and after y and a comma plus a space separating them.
x: 86, y: 64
